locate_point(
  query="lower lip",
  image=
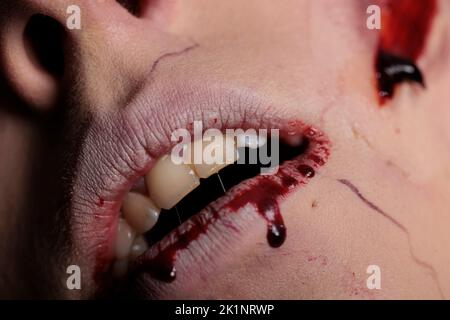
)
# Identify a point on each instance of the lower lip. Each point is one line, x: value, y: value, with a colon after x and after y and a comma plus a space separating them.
x: 263, y: 193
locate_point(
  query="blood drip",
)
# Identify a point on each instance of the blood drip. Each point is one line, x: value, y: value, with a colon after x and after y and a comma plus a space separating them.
x: 264, y: 195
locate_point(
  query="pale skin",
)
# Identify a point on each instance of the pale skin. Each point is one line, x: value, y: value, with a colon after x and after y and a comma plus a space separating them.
x: 381, y: 199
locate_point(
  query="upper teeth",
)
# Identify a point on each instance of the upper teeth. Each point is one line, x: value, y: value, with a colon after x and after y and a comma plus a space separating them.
x: 140, y: 212
x: 205, y: 159
x: 168, y: 183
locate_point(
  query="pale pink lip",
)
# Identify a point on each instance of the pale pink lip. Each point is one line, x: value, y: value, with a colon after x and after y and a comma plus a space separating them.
x: 120, y: 148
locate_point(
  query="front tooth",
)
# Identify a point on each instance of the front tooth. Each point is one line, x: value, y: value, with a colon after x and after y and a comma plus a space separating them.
x: 140, y: 212
x: 168, y: 183
x: 138, y: 247
x: 124, y: 239
x: 210, y: 161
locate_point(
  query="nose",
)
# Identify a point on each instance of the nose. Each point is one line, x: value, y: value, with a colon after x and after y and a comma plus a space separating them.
x: 48, y: 46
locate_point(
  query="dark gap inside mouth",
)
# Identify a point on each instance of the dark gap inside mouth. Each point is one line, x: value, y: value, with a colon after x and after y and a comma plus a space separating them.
x: 212, y: 188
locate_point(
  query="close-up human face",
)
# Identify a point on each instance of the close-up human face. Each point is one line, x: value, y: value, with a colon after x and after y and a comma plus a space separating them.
x: 347, y: 99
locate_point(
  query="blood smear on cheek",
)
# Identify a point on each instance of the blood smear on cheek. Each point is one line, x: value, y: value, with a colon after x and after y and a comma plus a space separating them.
x: 405, y: 27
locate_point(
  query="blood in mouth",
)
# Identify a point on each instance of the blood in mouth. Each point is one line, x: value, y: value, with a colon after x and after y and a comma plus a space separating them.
x: 264, y: 195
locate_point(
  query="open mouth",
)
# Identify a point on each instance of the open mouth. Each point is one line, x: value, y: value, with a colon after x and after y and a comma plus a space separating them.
x: 171, y: 194
x: 174, y: 204
x: 159, y: 212
x: 217, y: 180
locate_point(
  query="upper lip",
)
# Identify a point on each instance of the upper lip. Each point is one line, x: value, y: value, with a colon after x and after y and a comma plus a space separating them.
x: 121, y: 147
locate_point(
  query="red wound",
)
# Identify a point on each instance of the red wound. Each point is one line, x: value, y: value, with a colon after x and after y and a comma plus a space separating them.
x: 405, y: 28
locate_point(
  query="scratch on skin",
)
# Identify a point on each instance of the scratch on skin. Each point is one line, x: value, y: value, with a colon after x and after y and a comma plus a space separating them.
x: 359, y: 136
x: 171, y: 54
x: 392, y: 164
x: 400, y: 226
x: 155, y: 64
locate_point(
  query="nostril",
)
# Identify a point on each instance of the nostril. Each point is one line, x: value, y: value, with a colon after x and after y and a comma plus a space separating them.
x: 44, y: 41
x: 132, y: 6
